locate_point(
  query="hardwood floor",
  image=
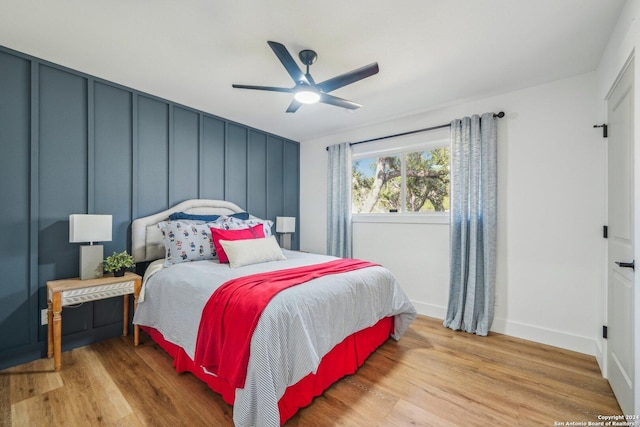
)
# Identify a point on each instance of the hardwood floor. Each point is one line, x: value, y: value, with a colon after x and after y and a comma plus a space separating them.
x: 431, y: 377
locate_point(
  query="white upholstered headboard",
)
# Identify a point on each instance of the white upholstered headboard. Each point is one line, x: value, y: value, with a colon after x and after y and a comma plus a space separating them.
x: 146, y: 237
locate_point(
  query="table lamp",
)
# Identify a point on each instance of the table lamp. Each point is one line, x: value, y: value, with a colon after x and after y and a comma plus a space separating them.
x: 89, y: 229
x: 285, y: 225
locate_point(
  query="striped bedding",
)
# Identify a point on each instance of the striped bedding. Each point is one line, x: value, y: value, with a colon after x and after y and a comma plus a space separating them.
x: 298, y: 327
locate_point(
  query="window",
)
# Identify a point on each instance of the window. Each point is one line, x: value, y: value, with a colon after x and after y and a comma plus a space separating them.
x: 414, y: 180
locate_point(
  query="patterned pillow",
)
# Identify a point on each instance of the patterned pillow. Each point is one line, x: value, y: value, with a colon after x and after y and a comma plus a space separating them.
x: 186, y: 241
x: 232, y: 223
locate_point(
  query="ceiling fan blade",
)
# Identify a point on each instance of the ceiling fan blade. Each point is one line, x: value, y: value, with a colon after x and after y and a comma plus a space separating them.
x: 269, y: 88
x: 293, y: 107
x: 310, y: 79
x: 289, y: 64
x: 348, y: 78
x: 338, y: 102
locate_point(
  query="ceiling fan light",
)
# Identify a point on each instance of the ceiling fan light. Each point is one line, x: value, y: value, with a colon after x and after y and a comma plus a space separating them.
x: 307, y: 96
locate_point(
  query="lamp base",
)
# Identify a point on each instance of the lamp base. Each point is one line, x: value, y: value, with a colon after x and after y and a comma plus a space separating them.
x: 285, y: 240
x: 91, y: 257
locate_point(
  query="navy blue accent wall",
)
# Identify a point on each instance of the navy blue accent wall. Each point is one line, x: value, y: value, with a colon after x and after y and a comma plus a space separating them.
x: 291, y: 186
x: 74, y: 143
x: 256, y: 173
x: 15, y: 290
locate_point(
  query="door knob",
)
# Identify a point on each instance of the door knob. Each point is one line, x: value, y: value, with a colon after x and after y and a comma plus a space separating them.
x: 631, y: 265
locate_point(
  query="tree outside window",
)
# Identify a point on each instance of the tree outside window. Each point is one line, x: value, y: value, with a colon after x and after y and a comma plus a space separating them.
x: 415, y: 181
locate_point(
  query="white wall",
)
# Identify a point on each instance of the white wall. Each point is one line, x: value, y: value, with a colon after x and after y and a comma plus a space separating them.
x: 551, y: 169
x: 622, y: 44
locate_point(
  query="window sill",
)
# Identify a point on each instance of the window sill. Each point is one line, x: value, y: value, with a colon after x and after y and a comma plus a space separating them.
x: 402, y: 218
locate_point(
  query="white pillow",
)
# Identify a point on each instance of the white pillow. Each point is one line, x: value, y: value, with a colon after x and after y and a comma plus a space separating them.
x: 252, y: 251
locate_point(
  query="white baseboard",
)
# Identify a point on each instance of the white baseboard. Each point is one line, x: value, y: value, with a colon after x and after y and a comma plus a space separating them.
x: 601, y: 350
x: 430, y: 310
x: 552, y: 337
x: 534, y: 333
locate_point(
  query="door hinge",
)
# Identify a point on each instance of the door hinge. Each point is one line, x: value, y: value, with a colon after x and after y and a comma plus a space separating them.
x: 604, y: 332
x: 604, y: 129
x: 605, y: 231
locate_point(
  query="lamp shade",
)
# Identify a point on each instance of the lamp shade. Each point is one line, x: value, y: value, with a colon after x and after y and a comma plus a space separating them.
x: 285, y: 224
x: 89, y: 228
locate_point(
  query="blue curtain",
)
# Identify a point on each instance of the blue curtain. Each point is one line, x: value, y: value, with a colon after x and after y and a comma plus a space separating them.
x: 473, y: 224
x: 339, y: 201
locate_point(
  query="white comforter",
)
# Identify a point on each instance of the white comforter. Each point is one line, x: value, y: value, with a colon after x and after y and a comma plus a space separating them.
x: 299, y: 326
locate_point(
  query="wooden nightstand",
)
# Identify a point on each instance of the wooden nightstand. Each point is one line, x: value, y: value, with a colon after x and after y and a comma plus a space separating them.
x: 75, y: 291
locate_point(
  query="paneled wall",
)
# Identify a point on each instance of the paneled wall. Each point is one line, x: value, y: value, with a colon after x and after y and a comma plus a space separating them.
x: 73, y: 143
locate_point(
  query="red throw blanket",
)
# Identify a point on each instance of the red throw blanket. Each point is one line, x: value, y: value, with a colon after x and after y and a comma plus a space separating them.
x: 231, y: 314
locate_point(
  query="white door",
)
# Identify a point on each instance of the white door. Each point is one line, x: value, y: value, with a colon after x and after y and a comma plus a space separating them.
x: 620, y: 357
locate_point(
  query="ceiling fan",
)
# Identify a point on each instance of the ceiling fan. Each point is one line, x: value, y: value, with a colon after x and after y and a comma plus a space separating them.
x: 306, y: 90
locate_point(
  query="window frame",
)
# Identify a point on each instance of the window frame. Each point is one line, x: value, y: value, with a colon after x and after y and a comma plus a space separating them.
x: 393, y: 147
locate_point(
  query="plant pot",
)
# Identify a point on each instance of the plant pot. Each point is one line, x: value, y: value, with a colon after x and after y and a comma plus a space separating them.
x: 119, y: 273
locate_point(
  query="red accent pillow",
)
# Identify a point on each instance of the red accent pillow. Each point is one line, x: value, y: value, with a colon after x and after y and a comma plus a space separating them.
x: 217, y: 234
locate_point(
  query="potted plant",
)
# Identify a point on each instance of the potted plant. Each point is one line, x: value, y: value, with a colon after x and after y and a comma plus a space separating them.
x: 118, y: 263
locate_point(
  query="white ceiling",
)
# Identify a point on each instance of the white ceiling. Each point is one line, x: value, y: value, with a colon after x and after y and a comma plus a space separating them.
x: 430, y: 52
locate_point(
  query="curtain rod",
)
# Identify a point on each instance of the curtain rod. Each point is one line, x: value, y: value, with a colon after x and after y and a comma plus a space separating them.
x: 496, y: 115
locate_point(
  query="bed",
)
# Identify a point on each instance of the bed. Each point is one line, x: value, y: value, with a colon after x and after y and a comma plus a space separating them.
x: 308, y: 336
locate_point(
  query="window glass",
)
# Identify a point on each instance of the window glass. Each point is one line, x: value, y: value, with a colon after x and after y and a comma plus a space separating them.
x: 376, y: 184
x: 427, y: 181
x: 412, y: 181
